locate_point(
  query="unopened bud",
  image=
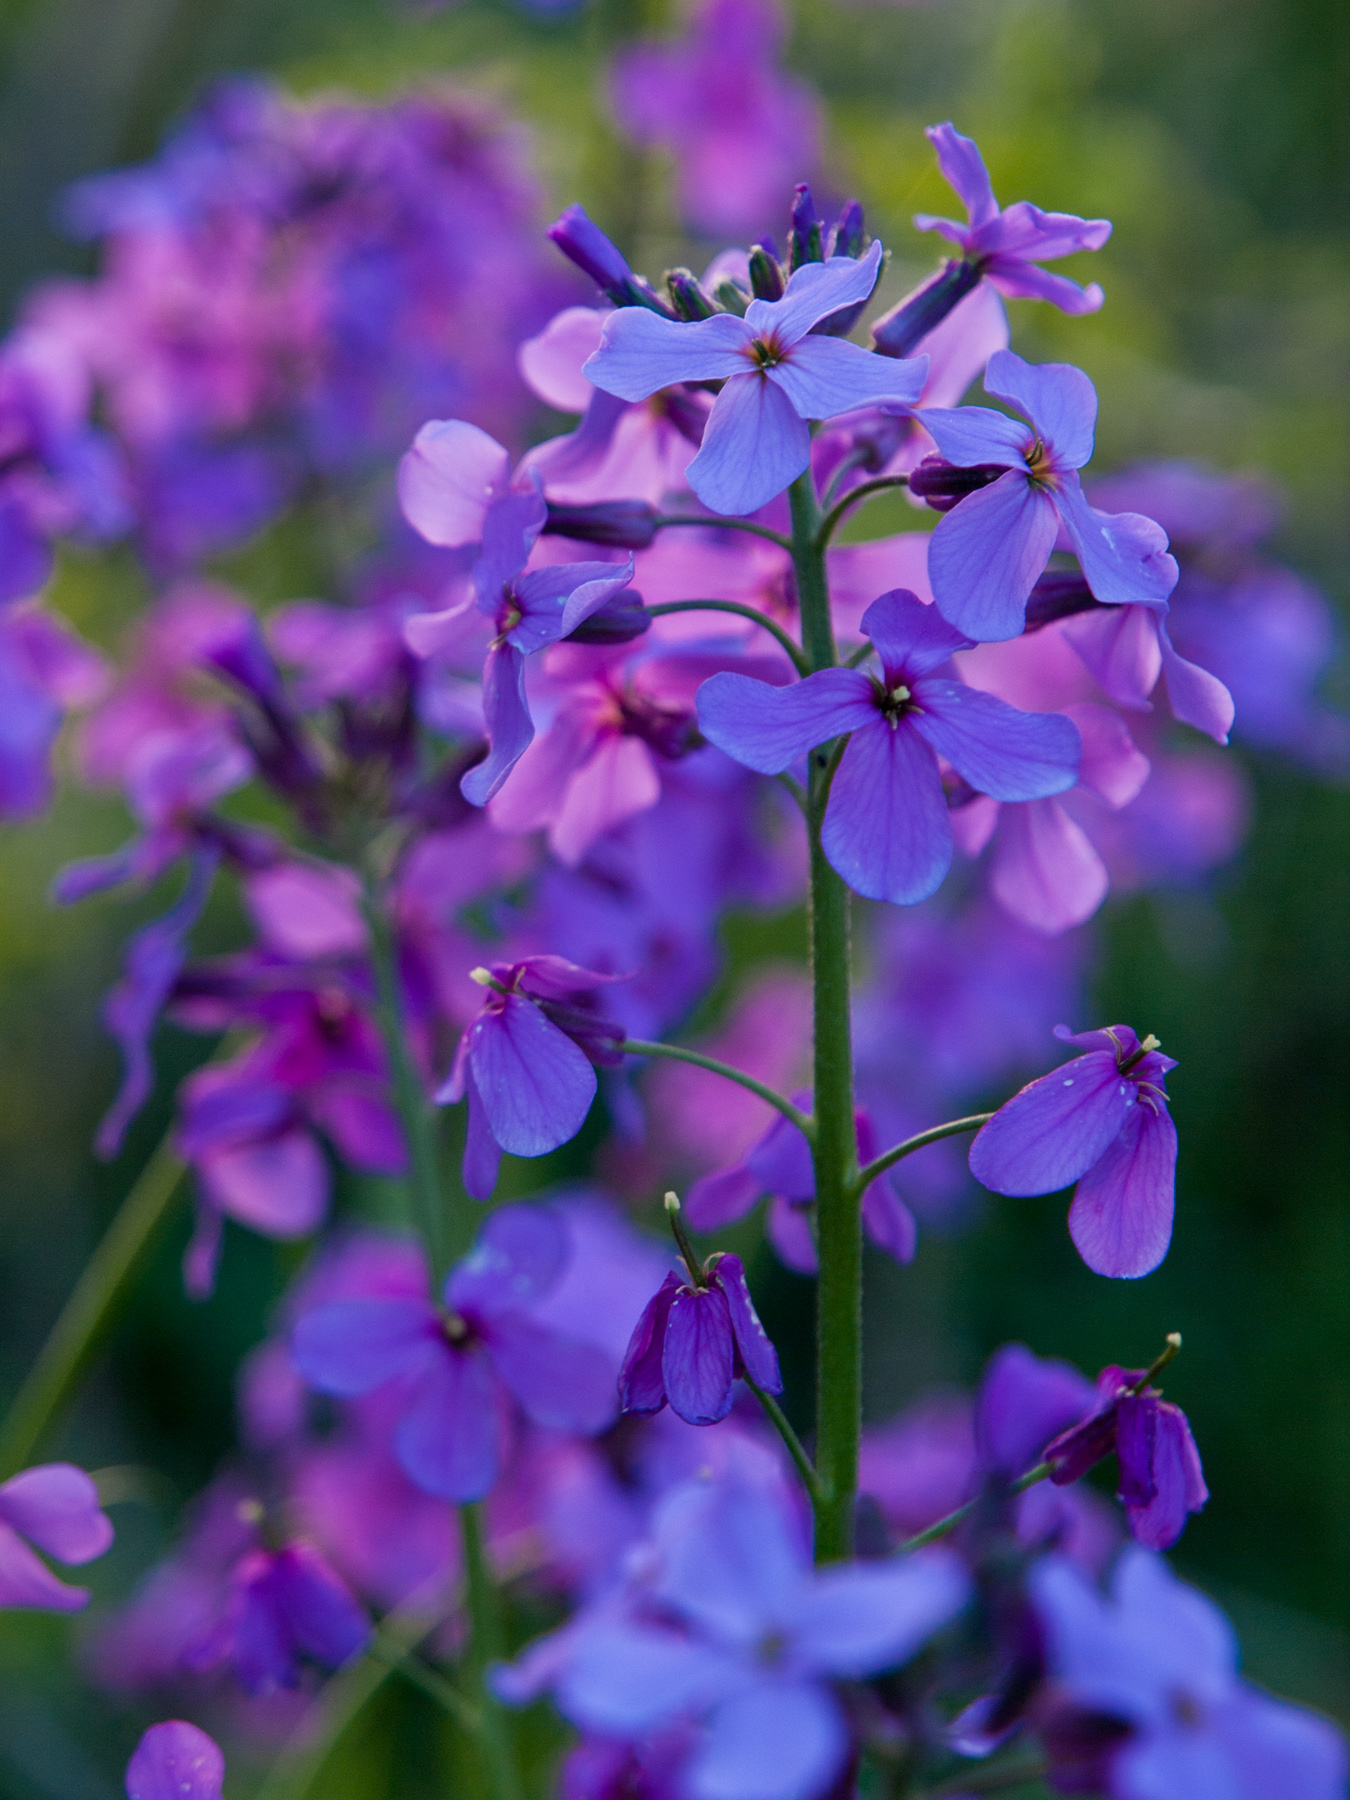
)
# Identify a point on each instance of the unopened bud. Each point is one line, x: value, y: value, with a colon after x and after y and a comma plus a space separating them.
x: 849, y: 234
x: 766, y: 276
x: 805, y: 237
x: 619, y: 524
x: 904, y: 327
x: 672, y: 1201
x: 732, y: 297
x: 687, y: 297
x: 482, y: 976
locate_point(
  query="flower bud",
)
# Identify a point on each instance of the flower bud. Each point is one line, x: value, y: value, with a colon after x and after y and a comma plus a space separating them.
x: 687, y: 297
x: 849, y: 235
x: 620, y: 524
x: 766, y: 276
x: 805, y: 237
x: 900, y: 330
x: 941, y: 484
x: 581, y: 240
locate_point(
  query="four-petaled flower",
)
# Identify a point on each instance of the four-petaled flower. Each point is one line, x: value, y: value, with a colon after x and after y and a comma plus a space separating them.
x: 886, y: 827
x: 778, y: 373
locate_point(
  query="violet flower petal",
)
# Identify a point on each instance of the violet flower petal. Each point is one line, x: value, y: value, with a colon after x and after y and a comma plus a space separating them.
x: 758, y: 1356
x: 813, y: 292
x: 1195, y: 696
x: 825, y: 376
x: 859, y: 1620
x: 886, y: 828
x: 510, y: 727
x: 1021, y: 280
x: 641, y: 352
x: 56, y: 1506
x: 625, y: 1679
x: 767, y: 728
x: 517, y: 1257
x: 969, y: 435
x: 26, y: 1581
x: 642, y: 1386
x: 777, y: 1740
x: 1124, y: 556
x: 717, y: 1199
x: 1007, y: 754
x: 560, y: 1383
x: 698, y: 1361
x: 1122, y: 651
x: 1121, y: 1217
x: 755, y: 444
x: 175, y: 1761
x: 482, y: 1152
x: 963, y: 170
x: 1056, y: 398
x: 447, y: 479
x: 536, y: 1086
x: 352, y: 1346
x: 321, y: 1614
x: 1045, y: 870
x: 888, y: 1222
x: 910, y: 637
x: 788, y: 1229
x: 985, y: 555
x: 449, y: 1440
x: 731, y: 1560
x: 1055, y: 1129
x: 1023, y: 1402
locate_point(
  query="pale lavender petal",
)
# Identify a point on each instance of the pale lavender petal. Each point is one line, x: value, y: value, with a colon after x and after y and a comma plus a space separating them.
x: 911, y: 638
x: 758, y: 1356
x: 889, y: 1222
x: 535, y: 1084
x: 963, y: 169
x: 1124, y: 556
x: 788, y: 1229
x: 777, y: 1740
x: 175, y: 1761
x: 511, y: 528
x: 482, y: 1152
x: 1020, y: 280
x: 886, y: 828
x: 641, y: 352
x: 517, y: 1258
x: 26, y: 1581
x: 551, y: 362
x: 1195, y: 696
x: 985, y: 555
x: 1121, y: 1217
x: 56, y: 1506
x: 715, y: 1200
x: 1113, y: 766
x: 561, y: 1383
x: 969, y: 435
x: 1122, y: 651
x: 699, y: 1357
x: 449, y: 1440
x: 1024, y: 230
x: 1058, y: 399
x: 352, y: 1346
x: 1055, y: 1129
x: 823, y: 376
x: 625, y: 1679
x: 447, y: 479
x: 767, y: 728
x: 731, y: 1559
x: 857, y: 1621
x: 754, y: 446
x: 277, y: 1185
x: 642, y: 1386
x: 813, y: 292
x: 509, y: 725
x: 1007, y: 754
x: 1045, y: 870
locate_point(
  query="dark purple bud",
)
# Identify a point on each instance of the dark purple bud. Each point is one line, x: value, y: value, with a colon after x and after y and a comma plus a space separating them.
x: 849, y: 237
x: 766, y: 277
x: 687, y: 297
x: 1081, y: 1448
x: 1058, y: 596
x: 620, y: 524
x: 941, y: 484
x: 900, y: 330
x: 618, y: 621
x: 805, y: 237
x: 581, y: 240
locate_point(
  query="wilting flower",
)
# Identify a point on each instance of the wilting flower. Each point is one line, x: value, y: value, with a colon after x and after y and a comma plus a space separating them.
x: 1101, y: 1121
x: 54, y: 1506
x: 886, y: 827
x: 692, y: 1341
x: 778, y: 372
x: 454, y: 1365
x: 175, y: 1761
x: 1022, y: 487
x: 281, y: 1608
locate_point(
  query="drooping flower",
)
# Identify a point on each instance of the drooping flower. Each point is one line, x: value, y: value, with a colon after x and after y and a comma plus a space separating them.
x: 1002, y: 518
x: 175, y: 1761
x: 281, y: 1608
x: 451, y: 1368
x: 1146, y: 1703
x: 693, y: 1339
x: 886, y: 826
x: 55, y: 1507
x: 527, y: 1062
x: 778, y: 373
x: 1101, y: 1121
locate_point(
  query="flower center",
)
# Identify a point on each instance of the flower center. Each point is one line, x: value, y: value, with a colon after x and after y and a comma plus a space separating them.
x: 894, y: 702
x: 1040, y: 466
x: 1186, y: 1709
x: 766, y: 352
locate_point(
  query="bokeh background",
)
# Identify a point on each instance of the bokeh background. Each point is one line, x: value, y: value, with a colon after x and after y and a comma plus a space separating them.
x: 1216, y: 134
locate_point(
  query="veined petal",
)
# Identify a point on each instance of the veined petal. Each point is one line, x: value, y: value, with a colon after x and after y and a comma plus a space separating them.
x: 447, y: 479
x: 823, y: 376
x: 642, y: 1388
x: 767, y: 728
x: 1121, y: 1217
x: 813, y: 292
x: 1007, y: 754
x: 1024, y: 230
x: 449, y: 1440
x: 352, y: 1346
x: 556, y: 599
x: 1046, y: 872
x: 699, y: 1357
x: 911, y: 638
x: 1122, y: 651
x: 758, y: 1356
x: 1195, y: 696
x: 1123, y: 556
x: 962, y: 166
x: 1058, y: 399
x: 510, y: 727
x: 641, y: 352
x: 755, y: 444
x: 1019, y: 280
x: 986, y: 553
x: 777, y: 1740
x: 536, y: 1086
x: 886, y: 828
x: 967, y: 435
x: 1055, y: 1129
x: 560, y: 1383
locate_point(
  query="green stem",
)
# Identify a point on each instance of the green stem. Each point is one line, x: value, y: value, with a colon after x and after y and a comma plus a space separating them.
x: 485, y: 1648
x: 795, y: 1448
x: 711, y: 522
x: 933, y: 1532
x: 86, y: 1313
x: 933, y: 1135
x: 641, y: 1047
x: 763, y: 620
x: 835, y: 1146
x: 863, y: 491
x: 424, y: 1176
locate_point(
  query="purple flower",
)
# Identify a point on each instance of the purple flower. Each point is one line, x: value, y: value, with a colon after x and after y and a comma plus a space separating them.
x: 886, y: 827
x: 454, y: 1367
x: 527, y: 1062
x: 1161, y: 1480
x: 281, y: 1608
x: 778, y: 373
x: 745, y: 1637
x: 988, y: 550
x: 1147, y: 1674
x: 1006, y: 244
x: 779, y: 1164
x: 54, y: 1506
x: 175, y: 1761
x: 1101, y: 1121
x: 45, y: 671
x: 691, y: 1343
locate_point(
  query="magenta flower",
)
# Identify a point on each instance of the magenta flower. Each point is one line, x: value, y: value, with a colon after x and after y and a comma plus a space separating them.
x: 778, y: 373
x: 455, y: 1366
x: 1101, y: 1121
x: 1161, y: 1479
x: 527, y: 1062
x: 54, y: 1506
x: 175, y: 1761
x: 1005, y: 244
x: 281, y: 1608
x: 692, y: 1342
x: 1022, y: 488
x: 886, y: 827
